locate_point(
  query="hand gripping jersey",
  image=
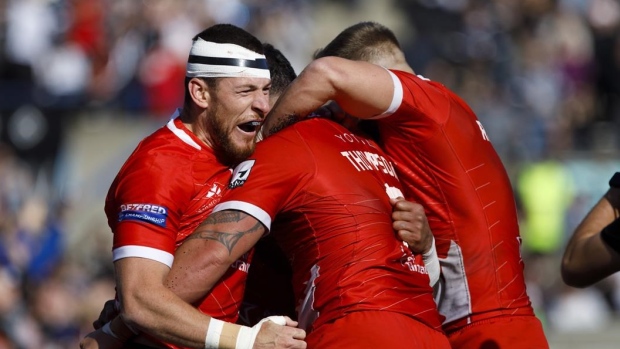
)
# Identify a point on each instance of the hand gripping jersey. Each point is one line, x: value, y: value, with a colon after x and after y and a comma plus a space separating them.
x: 446, y: 162
x: 165, y: 189
x: 326, y: 190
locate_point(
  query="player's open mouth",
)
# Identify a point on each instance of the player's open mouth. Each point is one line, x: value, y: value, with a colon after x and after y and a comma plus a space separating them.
x: 251, y: 126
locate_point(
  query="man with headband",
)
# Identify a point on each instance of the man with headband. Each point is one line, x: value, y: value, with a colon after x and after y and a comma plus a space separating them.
x: 170, y: 184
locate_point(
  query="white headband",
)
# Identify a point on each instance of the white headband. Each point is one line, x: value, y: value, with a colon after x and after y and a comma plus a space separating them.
x: 211, y: 60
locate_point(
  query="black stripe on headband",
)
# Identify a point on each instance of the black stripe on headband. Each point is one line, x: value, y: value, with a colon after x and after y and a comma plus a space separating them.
x: 259, y: 63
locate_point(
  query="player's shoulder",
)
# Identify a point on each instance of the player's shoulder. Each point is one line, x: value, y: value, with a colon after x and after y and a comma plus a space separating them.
x: 317, y: 126
x: 164, y: 146
x: 296, y: 143
x: 165, y: 140
x: 300, y: 134
x: 405, y: 76
x: 286, y: 135
x: 158, y: 158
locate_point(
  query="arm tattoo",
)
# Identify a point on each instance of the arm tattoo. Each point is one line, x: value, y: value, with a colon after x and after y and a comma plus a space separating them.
x: 227, y: 238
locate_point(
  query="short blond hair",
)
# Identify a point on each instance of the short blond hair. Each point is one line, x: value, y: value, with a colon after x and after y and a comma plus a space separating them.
x: 365, y: 41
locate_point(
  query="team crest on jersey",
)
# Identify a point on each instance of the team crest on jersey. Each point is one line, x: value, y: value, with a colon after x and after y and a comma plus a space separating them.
x: 241, y: 174
x: 148, y: 213
x: 215, y: 190
x: 213, y: 196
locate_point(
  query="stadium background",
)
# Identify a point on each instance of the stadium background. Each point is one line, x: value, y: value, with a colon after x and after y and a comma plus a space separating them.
x: 82, y: 81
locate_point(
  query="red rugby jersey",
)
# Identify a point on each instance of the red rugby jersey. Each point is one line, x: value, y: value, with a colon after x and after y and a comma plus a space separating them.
x: 165, y: 189
x: 327, y: 192
x: 446, y: 161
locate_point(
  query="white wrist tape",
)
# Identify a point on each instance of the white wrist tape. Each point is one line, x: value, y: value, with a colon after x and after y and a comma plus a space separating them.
x: 431, y: 261
x: 247, y: 335
x: 214, y: 331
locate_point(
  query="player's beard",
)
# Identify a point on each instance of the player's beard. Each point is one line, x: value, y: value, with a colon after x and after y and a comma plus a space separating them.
x: 227, y: 151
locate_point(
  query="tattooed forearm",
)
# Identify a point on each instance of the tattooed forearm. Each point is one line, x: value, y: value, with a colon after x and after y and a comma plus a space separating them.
x: 224, y: 217
x: 227, y: 238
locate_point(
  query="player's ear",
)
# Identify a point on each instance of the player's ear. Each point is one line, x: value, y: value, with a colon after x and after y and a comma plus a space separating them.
x: 199, y: 92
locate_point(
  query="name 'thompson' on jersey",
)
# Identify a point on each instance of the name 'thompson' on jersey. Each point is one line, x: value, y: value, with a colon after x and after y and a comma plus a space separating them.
x: 326, y: 190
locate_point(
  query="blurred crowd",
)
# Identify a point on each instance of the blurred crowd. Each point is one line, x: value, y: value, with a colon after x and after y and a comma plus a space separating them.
x: 542, y: 75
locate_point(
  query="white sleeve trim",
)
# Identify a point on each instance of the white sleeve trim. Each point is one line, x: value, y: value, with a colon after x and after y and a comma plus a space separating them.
x: 248, y: 208
x: 397, y: 98
x: 143, y: 252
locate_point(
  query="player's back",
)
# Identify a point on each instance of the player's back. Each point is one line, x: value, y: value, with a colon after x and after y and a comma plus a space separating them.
x: 446, y: 161
x: 329, y: 189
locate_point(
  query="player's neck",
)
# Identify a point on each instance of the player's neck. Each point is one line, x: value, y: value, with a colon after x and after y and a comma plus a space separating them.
x: 402, y: 66
x: 192, y: 123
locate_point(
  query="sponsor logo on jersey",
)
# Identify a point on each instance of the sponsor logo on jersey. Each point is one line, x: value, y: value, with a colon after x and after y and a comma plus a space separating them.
x: 351, y: 138
x: 408, y: 261
x: 241, y: 265
x: 148, y: 213
x: 241, y: 174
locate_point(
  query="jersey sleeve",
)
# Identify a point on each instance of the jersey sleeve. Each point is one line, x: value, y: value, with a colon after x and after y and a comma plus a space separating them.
x: 418, y: 105
x: 268, y: 182
x: 144, y: 207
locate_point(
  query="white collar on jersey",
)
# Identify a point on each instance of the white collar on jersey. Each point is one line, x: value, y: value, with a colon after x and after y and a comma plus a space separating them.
x: 181, y: 133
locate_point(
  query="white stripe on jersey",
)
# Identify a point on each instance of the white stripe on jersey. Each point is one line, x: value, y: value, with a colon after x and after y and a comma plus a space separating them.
x: 248, y: 208
x: 397, y: 98
x: 142, y: 252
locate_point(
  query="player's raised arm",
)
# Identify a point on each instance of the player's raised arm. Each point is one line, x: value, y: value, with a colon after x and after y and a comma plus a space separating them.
x: 360, y: 88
